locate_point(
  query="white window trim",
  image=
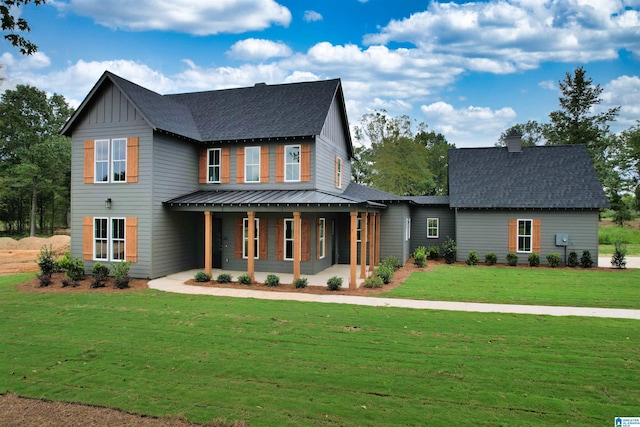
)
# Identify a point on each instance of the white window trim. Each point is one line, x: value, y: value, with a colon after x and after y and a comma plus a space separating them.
x: 339, y: 173
x: 408, y: 229
x: 95, y: 239
x: 210, y: 166
x: 322, y: 237
x: 437, y: 227
x: 292, y: 239
x: 246, y: 164
x: 109, y: 238
x: 299, y: 147
x: 245, y: 238
x: 359, y: 229
x: 95, y: 160
x: 112, y: 160
x: 518, y: 235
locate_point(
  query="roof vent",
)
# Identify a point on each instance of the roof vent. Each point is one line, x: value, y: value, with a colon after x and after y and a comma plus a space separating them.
x: 514, y: 141
x: 260, y: 84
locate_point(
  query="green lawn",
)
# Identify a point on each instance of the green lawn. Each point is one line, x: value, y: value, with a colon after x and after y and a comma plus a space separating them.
x: 633, y: 249
x: 287, y: 363
x: 521, y: 285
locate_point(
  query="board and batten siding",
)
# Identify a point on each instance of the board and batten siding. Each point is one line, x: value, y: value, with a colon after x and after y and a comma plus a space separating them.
x: 329, y: 144
x: 446, y: 221
x: 112, y: 116
x: 487, y: 231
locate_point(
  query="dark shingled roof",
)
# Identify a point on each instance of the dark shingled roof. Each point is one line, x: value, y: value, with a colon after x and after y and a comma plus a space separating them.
x: 429, y: 200
x: 561, y: 177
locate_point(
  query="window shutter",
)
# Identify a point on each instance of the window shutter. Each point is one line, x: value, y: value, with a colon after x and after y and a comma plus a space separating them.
x: 87, y: 238
x: 279, y: 239
x: 240, y: 165
x: 225, y: 165
x: 280, y: 163
x: 239, y: 238
x: 306, y: 239
x: 132, y: 159
x: 131, y: 239
x: 89, y: 160
x: 513, y: 234
x: 202, y: 166
x: 305, y: 162
x: 535, y: 244
x: 262, y: 237
x: 264, y: 164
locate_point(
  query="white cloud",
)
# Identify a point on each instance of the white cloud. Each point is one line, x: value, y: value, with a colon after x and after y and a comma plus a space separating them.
x: 258, y: 49
x: 311, y: 16
x: 625, y: 92
x: 548, y: 84
x: 203, y: 17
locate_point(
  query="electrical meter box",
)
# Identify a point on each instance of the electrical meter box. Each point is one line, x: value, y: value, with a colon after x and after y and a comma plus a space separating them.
x: 562, y: 239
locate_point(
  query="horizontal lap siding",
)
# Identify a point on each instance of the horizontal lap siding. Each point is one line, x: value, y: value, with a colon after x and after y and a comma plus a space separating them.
x: 447, y: 225
x: 392, y: 234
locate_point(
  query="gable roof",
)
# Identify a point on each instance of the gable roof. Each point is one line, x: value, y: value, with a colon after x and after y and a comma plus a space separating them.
x: 559, y: 176
x: 262, y: 111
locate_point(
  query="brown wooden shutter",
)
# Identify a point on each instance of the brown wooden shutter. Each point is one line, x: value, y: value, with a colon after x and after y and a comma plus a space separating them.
x: 202, y: 166
x: 280, y: 163
x: 263, y: 238
x: 264, y: 164
x: 513, y: 234
x: 280, y: 239
x: 225, y: 165
x: 89, y: 161
x: 306, y: 239
x: 239, y: 238
x: 240, y: 165
x: 305, y: 160
x: 131, y: 239
x: 87, y: 238
x: 132, y: 159
x: 535, y: 244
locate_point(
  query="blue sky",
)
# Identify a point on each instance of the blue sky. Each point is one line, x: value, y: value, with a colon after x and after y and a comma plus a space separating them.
x: 468, y: 70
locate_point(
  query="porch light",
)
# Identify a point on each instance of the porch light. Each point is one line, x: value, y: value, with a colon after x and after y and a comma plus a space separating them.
x: 107, y: 203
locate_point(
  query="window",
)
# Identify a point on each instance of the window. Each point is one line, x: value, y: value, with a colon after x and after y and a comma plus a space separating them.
x: 101, y: 239
x: 252, y: 164
x: 117, y: 239
x: 321, y: 237
x: 213, y: 165
x: 109, y: 239
x: 119, y: 160
x: 358, y: 229
x: 288, y: 239
x: 102, y: 160
x: 433, y: 228
x: 524, y: 235
x: 407, y: 231
x: 338, y: 172
x: 245, y: 238
x: 110, y: 160
x: 292, y: 163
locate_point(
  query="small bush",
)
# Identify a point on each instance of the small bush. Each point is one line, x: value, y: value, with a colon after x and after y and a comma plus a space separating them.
x: 619, y: 254
x: 120, y: 271
x: 300, y: 283
x: 45, y: 280
x: 585, y: 260
x: 75, y: 270
x: 202, y: 277
x: 385, y: 273
x: 100, y: 273
x: 66, y: 283
x: 512, y: 259
x: 392, y: 262
x: 420, y: 256
x: 433, y: 252
x: 572, y: 260
x: 244, y: 279
x: 224, y: 278
x: 472, y: 259
x: 64, y: 262
x: 46, y: 262
x: 553, y: 258
x: 272, y: 280
x: 490, y: 258
x: 334, y: 283
x: 534, y: 259
x: 373, y: 282
x: 449, y: 250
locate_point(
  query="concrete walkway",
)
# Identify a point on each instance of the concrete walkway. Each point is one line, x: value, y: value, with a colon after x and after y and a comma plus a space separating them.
x: 175, y: 283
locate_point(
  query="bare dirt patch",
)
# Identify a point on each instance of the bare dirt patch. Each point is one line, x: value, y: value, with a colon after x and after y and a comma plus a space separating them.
x: 19, y: 256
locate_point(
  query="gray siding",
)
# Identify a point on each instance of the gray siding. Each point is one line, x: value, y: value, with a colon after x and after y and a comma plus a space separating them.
x: 392, y: 234
x: 487, y: 231
x: 329, y: 144
x: 447, y: 225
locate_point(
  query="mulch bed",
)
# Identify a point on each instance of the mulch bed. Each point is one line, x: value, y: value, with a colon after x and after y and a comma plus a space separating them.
x: 84, y: 285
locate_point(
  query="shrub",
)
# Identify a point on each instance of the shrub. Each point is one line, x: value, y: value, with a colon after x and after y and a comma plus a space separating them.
x: 620, y: 252
x: 420, y: 256
x: 385, y: 273
x: 373, y: 282
x: 120, y: 271
x: 334, y: 283
x: 66, y: 283
x: 272, y: 280
x: 75, y: 270
x: 392, y: 262
x: 572, y: 260
x: 45, y: 280
x: 201, y: 277
x: 449, y: 250
x: 490, y: 258
x: 433, y: 252
x: 64, y: 262
x: 100, y: 273
x: 224, y: 278
x: 534, y: 259
x: 553, y: 258
x: 512, y: 259
x: 472, y: 259
x: 585, y: 260
x: 45, y: 261
x: 300, y: 283
x: 244, y: 279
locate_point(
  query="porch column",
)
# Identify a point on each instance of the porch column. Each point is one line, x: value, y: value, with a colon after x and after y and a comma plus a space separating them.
x: 364, y: 233
x: 297, y: 245
x: 251, y: 243
x: 372, y: 240
x: 378, y: 221
x: 208, y: 243
x: 354, y: 251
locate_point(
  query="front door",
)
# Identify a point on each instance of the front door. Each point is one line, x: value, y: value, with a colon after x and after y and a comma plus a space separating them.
x: 216, y: 240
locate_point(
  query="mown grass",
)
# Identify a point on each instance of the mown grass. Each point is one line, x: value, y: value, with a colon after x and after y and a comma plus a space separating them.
x: 287, y: 363
x: 609, y: 234
x: 521, y: 285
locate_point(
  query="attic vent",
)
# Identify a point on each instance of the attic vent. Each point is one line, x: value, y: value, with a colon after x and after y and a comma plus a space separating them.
x: 514, y: 141
x: 261, y: 84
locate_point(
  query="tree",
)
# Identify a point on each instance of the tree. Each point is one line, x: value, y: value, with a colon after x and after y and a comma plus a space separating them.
x: 532, y: 134
x: 11, y: 23
x: 33, y: 154
x: 437, y: 159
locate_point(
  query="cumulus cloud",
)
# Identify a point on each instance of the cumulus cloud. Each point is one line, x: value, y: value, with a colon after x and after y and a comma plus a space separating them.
x: 258, y: 50
x: 312, y: 16
x: 625, y: 92
x: 548, y: 84
x: 204, y: 17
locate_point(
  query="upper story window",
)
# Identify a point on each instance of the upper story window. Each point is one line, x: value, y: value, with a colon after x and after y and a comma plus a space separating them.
x: 119, y: 160
x: 110, y: 162
x: 292, y: 163
x: 338, y: 172
x: 213, y: 164
x: 433, y: 228
x: 252, y: 164
x: 525, y: 233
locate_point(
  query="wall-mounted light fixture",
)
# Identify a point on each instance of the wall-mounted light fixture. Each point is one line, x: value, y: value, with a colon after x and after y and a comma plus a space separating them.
x: 107, y: 203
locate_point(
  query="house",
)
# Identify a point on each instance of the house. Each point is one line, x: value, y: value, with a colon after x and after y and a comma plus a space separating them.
x: 259, y: 179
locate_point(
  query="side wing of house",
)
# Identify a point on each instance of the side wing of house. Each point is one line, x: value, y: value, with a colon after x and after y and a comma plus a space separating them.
x: 431, y: 225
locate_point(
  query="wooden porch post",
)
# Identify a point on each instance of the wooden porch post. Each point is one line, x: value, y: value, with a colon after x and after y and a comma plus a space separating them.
x: 354, y: 250
x: 364, y: 233
x: 378, y: 221
x: 208, y: 243
x: 251, y: 250
x: 297, y: 245
x: 372, y: 240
